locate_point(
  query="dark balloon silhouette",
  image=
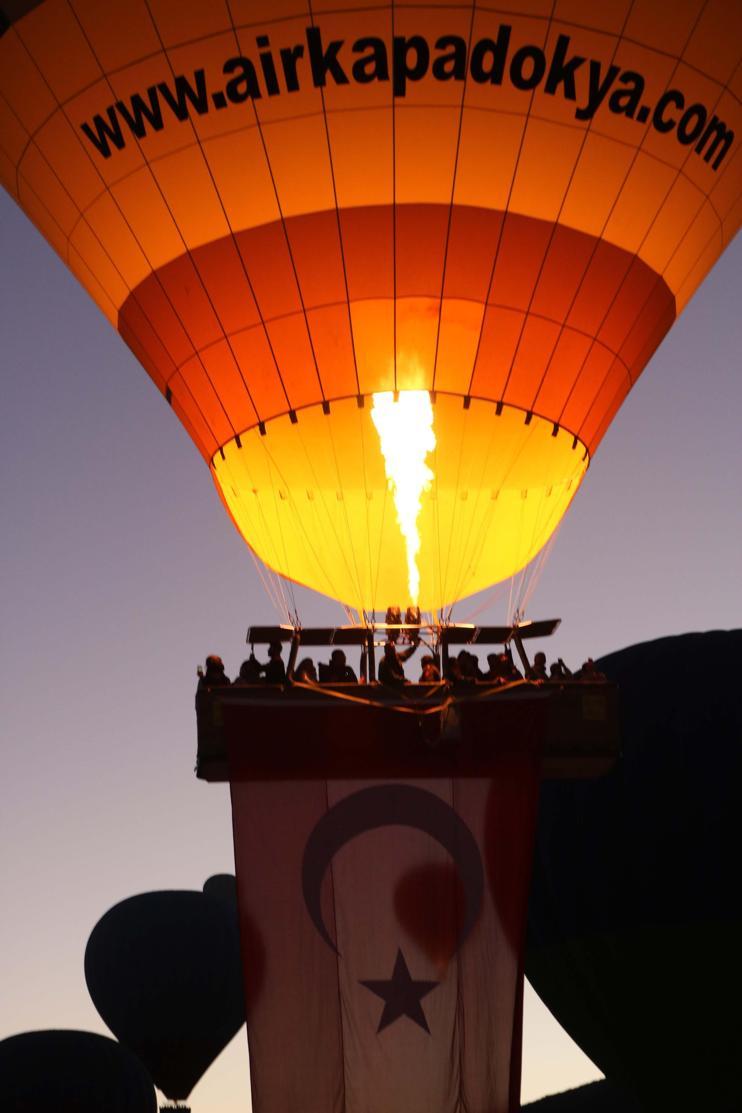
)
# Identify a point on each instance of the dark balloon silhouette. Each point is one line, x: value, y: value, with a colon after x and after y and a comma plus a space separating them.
x: 596, y: 1097
x: 72, y: 1072
x: 635, y: 920
x: 165, y: 974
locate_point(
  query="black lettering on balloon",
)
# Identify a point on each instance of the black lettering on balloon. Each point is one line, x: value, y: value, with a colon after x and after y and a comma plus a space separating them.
x: 324, y: 60
x: 268, y: 66
x: 489, y: 56
x: 244, y: 85
x: 290, y: 55
x: 562, y: 70
x: 406, y: 59
x: 661, y: 121
x: 527, y: 67
x: 450, y: 66
x: 371, y: 66
x: 597, y: 89
x: 625, y: 102
x: 410, y: 61
x: 691, y: 124
x: 720, y: 135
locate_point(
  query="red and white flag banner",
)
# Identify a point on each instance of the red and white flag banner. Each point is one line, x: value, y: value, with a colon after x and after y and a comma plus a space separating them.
x: 382, y: 927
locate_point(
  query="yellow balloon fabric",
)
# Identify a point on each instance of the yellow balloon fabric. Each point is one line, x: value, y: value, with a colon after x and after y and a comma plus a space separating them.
x: 287, y: 208
x: 499, y: 490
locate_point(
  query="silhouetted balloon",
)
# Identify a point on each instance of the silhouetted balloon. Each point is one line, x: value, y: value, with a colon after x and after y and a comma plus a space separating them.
x: 635, y: 921
x: 72, y: 1072
x: 223, y: 887
x: 165, y: 973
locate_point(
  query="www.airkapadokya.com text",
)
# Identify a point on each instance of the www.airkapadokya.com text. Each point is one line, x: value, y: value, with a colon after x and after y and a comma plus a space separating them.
x: 319, y: 62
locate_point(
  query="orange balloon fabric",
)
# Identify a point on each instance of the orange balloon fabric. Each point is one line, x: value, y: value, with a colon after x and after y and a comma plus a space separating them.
x: 286, y: 208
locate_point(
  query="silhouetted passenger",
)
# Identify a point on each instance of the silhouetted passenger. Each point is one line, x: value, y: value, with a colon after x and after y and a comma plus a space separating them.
x: 451, y: 671
x: 469, y: 670
x: 591, y: 673
x: 494, y: 673
x: 275, y: 670
x: 537, y: 670
x: 249, y: 671
x: 391, y: 669
x: 559, y: 671
x: 338, y: 671
x: 214, y: 675
x: 393, y: 618
x: 501, y: 669
x: 305, y: 671
x: 430, y: 673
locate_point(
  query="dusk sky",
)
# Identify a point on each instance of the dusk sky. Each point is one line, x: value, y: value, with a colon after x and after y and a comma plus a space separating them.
x: 121, y: 572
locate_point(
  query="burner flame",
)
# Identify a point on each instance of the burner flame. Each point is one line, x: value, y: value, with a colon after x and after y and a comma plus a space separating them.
x: 406, y: 436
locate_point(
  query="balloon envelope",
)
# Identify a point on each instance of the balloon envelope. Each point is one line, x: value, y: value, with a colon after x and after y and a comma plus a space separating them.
x: 165, y: 974
x: 72, y: 1072
x: 286, y: 209
x: 635, y: 920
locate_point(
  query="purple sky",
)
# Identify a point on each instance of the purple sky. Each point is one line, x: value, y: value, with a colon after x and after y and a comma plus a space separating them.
x: 121, y: 571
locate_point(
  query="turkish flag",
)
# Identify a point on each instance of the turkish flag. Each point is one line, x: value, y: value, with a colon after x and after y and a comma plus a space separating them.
x: 382, y: 927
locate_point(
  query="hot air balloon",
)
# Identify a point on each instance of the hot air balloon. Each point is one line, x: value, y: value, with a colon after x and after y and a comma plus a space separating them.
x: 164, y: 972
x: 636, y: 915
x: 395, y: 269
x: 72, y: 1071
